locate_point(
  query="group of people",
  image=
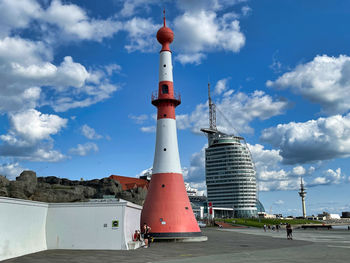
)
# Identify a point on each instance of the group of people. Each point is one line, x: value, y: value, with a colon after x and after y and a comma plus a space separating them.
x: 277, y: 227
x: 273, y: 227
x: 144, y: 235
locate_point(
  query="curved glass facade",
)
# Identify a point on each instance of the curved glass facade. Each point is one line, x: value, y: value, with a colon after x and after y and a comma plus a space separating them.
x: 230, y: 175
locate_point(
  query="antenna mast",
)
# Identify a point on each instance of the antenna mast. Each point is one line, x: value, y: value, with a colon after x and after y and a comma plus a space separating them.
x: 212, y: 111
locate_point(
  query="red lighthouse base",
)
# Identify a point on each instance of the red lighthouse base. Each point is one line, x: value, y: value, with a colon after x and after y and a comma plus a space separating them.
x: 167, y: 209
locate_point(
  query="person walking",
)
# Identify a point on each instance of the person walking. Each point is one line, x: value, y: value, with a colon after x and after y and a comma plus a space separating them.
x: 146, y: 234
x: 289, y: 232
x: 265, y: 228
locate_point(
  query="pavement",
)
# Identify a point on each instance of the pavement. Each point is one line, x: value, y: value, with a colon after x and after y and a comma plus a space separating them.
x: 223, y: 245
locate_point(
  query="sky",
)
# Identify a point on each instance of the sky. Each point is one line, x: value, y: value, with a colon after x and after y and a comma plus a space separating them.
x: 76, y: 79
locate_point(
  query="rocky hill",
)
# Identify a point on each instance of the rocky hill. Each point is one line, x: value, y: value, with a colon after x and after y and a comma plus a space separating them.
x: 57, y: 190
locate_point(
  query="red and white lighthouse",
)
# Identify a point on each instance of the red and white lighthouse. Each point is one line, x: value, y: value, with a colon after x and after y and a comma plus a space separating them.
x: 167, y: 209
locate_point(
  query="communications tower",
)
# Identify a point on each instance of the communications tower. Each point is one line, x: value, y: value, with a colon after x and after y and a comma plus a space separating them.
x: 167, y: 209
x: 302, y: 194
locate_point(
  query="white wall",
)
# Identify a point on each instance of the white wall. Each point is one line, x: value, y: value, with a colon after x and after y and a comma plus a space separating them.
x: 85, y: 226
x: 22, y: 227
x: 132, y: 220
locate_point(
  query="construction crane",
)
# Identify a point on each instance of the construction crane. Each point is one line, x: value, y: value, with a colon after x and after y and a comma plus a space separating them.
x: 212, y: 111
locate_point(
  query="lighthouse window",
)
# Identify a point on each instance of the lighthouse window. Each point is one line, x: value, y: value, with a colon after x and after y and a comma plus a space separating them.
x: 165, y: 89
x: 163, y: 185
x: 164, y: 65
x: 164, y: 149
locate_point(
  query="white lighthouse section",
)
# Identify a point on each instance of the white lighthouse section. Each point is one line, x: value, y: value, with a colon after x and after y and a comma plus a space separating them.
x: 166, y: 157
x: 165, y: 66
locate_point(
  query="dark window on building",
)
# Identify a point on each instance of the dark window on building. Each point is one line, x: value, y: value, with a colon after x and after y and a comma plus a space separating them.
x: 165, y: 89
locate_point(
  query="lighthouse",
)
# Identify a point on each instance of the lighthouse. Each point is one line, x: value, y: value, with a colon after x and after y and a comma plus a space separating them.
x: 167, y: 209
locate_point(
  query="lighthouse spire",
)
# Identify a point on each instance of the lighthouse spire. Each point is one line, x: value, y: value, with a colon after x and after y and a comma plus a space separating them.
x: 164, y: 23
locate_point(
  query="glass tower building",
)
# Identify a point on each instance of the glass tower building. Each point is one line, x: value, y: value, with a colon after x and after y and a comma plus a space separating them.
x: 230, y: 174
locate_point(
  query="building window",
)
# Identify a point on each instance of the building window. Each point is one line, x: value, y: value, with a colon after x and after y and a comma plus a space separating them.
x: 165, y: 89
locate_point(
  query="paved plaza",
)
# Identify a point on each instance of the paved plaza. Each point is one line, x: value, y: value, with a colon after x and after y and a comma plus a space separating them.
x: 224, y: 245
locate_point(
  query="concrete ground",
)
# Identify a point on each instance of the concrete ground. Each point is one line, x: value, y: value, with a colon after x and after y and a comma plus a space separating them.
x: 224, y: 245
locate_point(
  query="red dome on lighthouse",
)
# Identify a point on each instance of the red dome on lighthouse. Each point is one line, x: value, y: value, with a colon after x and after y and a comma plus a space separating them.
x: 165, y: 36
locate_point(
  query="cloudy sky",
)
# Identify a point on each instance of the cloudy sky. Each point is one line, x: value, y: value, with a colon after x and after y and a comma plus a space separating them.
x: 77, y: 77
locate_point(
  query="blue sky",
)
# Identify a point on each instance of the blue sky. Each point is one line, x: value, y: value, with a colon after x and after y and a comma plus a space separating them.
x: 77, y: 76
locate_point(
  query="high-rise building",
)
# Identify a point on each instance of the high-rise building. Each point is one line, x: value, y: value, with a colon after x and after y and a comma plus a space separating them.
x: 229, y: 170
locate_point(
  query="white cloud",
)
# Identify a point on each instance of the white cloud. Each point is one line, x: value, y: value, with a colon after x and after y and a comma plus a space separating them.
x: 238, y: 108
x: 145, y: 172
x: 11, y: 170
x: 196, y: 172
x: 325, y: 80
x: 221, y: 86
x: 299, y: 170
x: 130, y: 7
x: 17, y: 14
x: 148, y: 129
x: 68, y: 20
x: 193, y: 58
x: 329, y: 177
x: 30, y: 138
x: 271, y: 176
x: 274, y: 176
x: 195, y: 6
x: 26, y: 67
x: 111, y: 68
x: 89, y: 95
x: 202, y: 31
x: 84, y: 149
x: 139, y: 119
x: 141, y: 35
x: 246, y: 10
x: 90, y: 133
x: 279, y: 202
x: 74, y: 23
x: 321, y: 139
x: 33, y: 125
x: 16, y: 91
x: 264, y: 157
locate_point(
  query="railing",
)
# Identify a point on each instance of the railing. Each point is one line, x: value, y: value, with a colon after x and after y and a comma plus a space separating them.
x: 176, y: 96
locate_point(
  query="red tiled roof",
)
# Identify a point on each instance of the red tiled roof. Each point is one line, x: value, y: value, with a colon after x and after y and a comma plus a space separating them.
x: 130, y: 182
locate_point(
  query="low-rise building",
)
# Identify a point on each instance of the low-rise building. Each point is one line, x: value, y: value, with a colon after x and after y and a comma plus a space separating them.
x: 31, y: 226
